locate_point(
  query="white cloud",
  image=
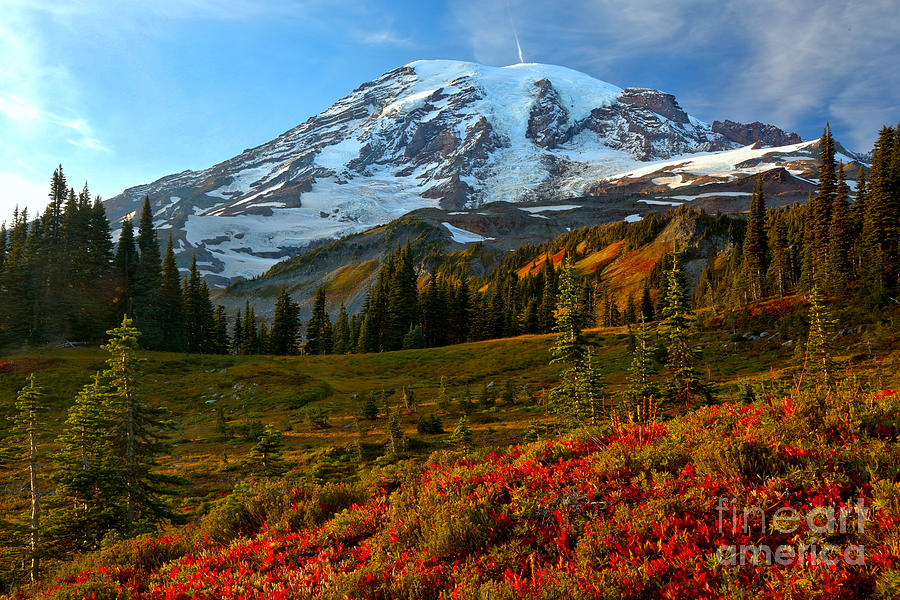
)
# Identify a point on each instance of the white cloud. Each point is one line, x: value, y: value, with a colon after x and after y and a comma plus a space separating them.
x: 385, y: 38
x: 789, y: 63
x: 24, y: 113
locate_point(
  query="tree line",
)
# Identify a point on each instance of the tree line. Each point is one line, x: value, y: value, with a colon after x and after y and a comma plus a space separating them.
x: 845, y: 250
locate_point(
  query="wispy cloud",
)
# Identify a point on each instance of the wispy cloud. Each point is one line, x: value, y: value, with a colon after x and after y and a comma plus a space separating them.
x: 24, y: 112
x: 385, y: 38
x: 789, y: 63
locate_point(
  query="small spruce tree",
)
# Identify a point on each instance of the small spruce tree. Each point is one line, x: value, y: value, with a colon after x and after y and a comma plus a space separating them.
x: 265, y: 456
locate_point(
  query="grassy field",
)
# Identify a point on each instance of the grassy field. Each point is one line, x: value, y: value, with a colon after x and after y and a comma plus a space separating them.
x: 280, y: 390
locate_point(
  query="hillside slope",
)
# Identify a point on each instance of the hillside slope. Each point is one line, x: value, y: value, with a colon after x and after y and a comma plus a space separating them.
x: 626, y: 510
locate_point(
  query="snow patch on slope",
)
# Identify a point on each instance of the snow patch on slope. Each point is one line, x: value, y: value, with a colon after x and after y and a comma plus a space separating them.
x: 462, y: 236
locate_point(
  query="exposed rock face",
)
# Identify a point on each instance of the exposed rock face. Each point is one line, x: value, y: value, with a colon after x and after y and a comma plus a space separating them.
x: 656, y: 102
x: 429, y: 134
x: 548, y: 123
x: 756, y: 132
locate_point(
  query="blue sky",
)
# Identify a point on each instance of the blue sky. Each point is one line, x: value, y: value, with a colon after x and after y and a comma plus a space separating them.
x: 123, y: 92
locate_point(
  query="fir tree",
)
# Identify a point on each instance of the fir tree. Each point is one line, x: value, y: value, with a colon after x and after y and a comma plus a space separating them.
x: 147, y: 283
x: 171, y: 303
x: 370, y: 408
x: 318, y: 328
x: 630, y: 315
x: 462, y: 434
x: 126, y: 262
x: 237, y: 334
x: 395, y: 432
x: 755, y: 243
x: 677, y: 328
x: 821, y: 330
x: 780, y: 267
x: 460, y: 313
x: 640, y: 386
x: 647, y: 303
x: 221, y: 343
x: 25, y: 433
x: 199, y: 315
x: 839, y: 240
x: 250, y: 335
x: 342, y: 332
x: 820, y: 216
x: 569, y: 348
x: 401, y: 300
x: 265, y: 456
x: 285, y: 325
x: 140, y: 430
x: 414, y: 339
x: 882, y: 213
x: 87, y: 472
x: 3, y: 238
x: 591, y: 389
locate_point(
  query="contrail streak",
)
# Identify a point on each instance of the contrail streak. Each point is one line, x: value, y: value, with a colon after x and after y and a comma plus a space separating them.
x: 515, y: 33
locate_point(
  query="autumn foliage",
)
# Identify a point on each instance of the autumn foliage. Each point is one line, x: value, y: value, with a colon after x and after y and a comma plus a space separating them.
x: 618, y: 511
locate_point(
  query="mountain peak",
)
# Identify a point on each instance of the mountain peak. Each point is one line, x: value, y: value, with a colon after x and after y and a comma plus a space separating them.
x: 432, y: 133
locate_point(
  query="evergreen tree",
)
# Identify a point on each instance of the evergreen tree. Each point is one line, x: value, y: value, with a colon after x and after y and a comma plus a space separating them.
x: 262, y: 341
x: 820, y: 216
x: 126, y: 263
x: 250, y: 335
x: 402, y: 294
x: 16, y: 280
x: 147, y: 282
x: 171, y: 303
x: 266, y: 456
x: 461, y: 313
x: 462, y: 434
x: 780, y: 267
x: 677, y: 325
x: 140, y: 430
x: 858, y: 209
x: 591, y: 389
x: 285, y: 325
x: 370, y: 408
x: 569, y: 348
x: 414, y: 339
x: 821, y: 330
x: 3, y: 238
x: 630, y: 315
x: 100, y: 245
x: 647, y: 303
x: 199, y: 315
x: 882, y: 213
x: 395, y: 432
x: 221, y: 343
x: 342, y: 333
x: 237, y: 335
x: 548, y: 297
x: 87, y: 472
x: 318, y: 328
x: 25, y: 433
x: 755, y: 244
x: 640, y: 386
x: 839, y: 241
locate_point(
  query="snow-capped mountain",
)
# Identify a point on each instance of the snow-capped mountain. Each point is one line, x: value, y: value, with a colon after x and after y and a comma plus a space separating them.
x: 442, y: 134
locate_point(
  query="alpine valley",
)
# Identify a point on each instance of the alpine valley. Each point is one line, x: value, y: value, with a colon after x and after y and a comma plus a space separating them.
x: 469, y: 154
